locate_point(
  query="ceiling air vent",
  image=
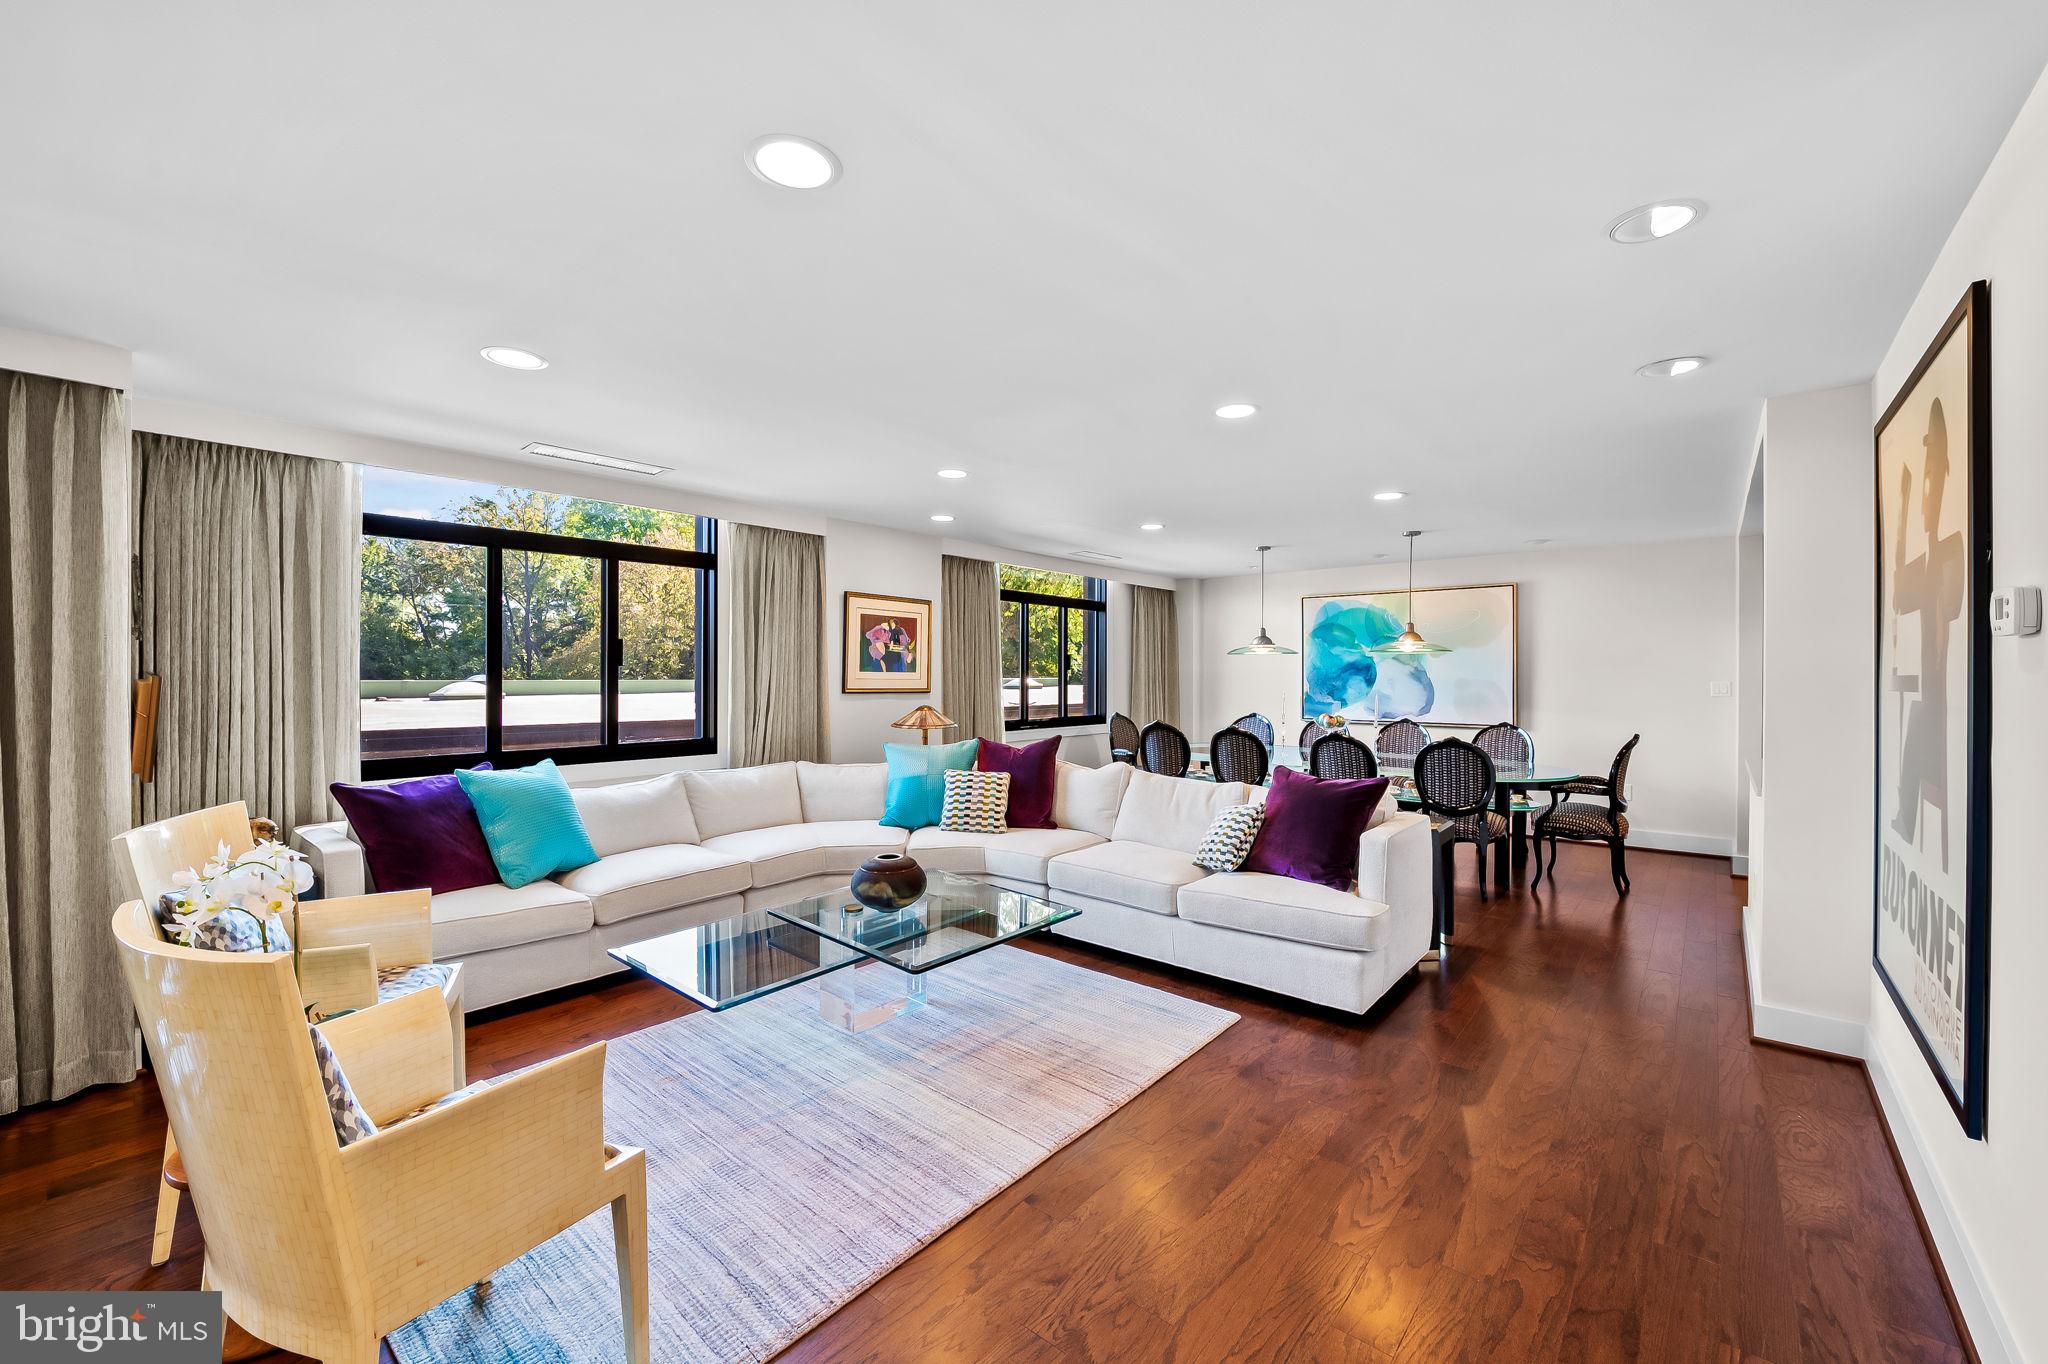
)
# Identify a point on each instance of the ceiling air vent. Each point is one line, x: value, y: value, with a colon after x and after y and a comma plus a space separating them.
x: 1096, y: 554
x: 631, y: 466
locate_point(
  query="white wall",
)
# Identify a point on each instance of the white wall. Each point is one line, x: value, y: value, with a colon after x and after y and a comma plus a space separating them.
x: 1612, y: 641
x: 1809, y: 884
x: 1990, y: 1198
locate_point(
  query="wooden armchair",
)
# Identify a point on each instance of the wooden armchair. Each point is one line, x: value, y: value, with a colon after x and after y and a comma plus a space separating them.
x: 354, y: 952
x: 322, y: 1249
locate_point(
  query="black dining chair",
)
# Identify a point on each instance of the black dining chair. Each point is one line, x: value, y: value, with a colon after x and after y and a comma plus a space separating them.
x: 1236, y: 754
x: 1310, y: 732
x: 1400, y: 742
x: 1164, y: 750
x: 1454, y: 784
x: 1512, y: 750
x: 1256, y: 725
x: 1342, y: 757
x: 1591, y: 821
x: 1123, y: 738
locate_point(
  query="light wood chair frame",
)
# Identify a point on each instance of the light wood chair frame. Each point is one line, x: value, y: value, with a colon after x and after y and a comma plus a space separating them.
x: 324, y: 1250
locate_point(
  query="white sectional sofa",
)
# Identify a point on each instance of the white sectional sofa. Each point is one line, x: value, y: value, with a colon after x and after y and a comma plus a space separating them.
x: 690, y: 847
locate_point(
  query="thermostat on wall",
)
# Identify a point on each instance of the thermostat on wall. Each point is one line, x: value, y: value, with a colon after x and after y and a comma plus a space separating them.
x: 2015, y: 610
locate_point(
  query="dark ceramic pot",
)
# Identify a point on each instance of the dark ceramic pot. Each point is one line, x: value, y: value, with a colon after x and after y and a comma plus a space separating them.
x: 888, y: 881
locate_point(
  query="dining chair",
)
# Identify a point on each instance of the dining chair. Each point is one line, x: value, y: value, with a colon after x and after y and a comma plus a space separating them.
x: 1400, y: 741
x: 1454, y: 785
x: 1123, y: 738
x: 1590, y: 821
x: 323, y: 1248
x: 1342, y: 757
x: 1310, y: 733
x: 1164, y: 750
x: 1512, y: 750
x: 1236, y: 754
x: 1255, y: 725
x: 355, y: 952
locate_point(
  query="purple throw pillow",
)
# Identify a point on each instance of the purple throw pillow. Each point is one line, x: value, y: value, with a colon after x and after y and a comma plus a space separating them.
x: 419, y: 832
x: 1032, y: 773
x: 1312, y: 826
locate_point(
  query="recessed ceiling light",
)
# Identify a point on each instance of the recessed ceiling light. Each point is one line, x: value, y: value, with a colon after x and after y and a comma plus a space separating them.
x: 633, y: 466
x: 793, y: 162
x: 1654, y: 221
x: 1152, y: 525
x: 940, y: 516
x: 1388, y: 496
x: 1672, y: 368
x: 511, y: 357
x: 952, y: 473
x: 1232, y: 412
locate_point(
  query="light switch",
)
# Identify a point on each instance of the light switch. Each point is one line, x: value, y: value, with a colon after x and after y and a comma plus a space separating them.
x: 1720, y: 689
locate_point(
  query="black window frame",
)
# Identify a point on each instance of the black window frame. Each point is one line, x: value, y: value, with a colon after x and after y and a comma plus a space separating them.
x: 1097, y: 648
x: 495, y: 540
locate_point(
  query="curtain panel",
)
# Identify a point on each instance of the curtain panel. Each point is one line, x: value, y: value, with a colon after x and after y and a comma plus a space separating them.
x: 249, y: 610
x: 64, y: 706
x: 1155, y: 655
x: 776, y: 601
x: 971, y: 648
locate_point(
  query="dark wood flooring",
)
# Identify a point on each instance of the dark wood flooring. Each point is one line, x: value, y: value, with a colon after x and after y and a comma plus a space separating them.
x: 1559, y: 1146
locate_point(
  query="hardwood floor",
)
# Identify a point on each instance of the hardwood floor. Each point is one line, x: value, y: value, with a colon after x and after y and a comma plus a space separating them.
x: 1559, y: 1146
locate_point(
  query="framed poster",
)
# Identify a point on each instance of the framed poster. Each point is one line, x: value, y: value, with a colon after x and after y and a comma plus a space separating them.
x: 1932, y: 928
x: 1471, y: 686
x: 888, y: 644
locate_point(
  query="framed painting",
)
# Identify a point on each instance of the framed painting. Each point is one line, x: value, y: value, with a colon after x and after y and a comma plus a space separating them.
x: 1471, y: 686
x: 1931, y: 930
x: 888, y: 644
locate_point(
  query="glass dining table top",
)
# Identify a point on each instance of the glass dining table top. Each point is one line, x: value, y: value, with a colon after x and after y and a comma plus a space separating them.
x: 1504, y: 773
x: 955, y: 918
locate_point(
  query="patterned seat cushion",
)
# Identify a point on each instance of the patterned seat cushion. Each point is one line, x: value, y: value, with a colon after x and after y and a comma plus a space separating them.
x: 396, y: 981
x: 1582, y: 819
x: 1582, y: 786
x: 1490, y: 822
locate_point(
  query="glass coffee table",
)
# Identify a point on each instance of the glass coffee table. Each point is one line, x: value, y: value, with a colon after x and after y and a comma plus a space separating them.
x: 870, y: 964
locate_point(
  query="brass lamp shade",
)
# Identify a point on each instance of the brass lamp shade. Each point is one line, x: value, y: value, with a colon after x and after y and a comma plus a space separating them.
x: 924, y: 719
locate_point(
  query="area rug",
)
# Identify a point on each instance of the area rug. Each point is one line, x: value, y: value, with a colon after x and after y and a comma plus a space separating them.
x: 790, y: 1164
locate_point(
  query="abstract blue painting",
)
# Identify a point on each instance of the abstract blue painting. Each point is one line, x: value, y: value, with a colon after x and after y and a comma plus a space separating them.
x: 1474, y: 684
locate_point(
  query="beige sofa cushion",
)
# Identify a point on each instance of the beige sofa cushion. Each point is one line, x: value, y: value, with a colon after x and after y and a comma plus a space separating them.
x: 1140, y: 875
x: 1172, y: 812
x: 839, y: 791
x: 788, y: 852
x: 484, y: 917
x: 1282, y: 907
x: 1087, y: 797
x: 730, y: 800
x: 635, y: 814
x: 1019, y: 855
x: 643, y: 880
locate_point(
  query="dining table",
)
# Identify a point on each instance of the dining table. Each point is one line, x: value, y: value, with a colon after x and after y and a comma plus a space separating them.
x: 1511, y: 783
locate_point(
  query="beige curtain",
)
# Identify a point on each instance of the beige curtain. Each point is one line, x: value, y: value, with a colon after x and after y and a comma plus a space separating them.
x: 64, y: 688
x: 776, y: 601
x: 970, y: 649
x: 251, y: 572
x: 1155, y: 656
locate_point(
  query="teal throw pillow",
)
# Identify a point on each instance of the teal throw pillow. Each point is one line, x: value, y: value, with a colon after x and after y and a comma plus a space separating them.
x: 917, y: 780
x: 529, y: 821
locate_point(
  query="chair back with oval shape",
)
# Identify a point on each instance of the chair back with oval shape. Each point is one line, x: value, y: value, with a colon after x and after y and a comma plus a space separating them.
x: 1236, y: 754
x: 1342, y: 757
x: 1398, y: 743
x: 1164, y: 750
x: 1453, y: 778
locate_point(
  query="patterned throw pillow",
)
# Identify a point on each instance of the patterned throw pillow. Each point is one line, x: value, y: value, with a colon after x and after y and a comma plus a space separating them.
x: 351, y: 1120
x: 976, y: 802
x: 1230, y: 837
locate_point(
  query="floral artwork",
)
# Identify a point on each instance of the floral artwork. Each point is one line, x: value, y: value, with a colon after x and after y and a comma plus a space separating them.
x: 888, y: 644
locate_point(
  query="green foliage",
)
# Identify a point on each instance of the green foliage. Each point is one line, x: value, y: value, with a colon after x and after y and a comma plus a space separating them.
x: 1038, y: 645
x: 423, y: 602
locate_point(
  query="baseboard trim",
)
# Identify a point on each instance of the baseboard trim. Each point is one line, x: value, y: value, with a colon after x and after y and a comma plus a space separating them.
x: 1987, y: 1336
x: 1738, y: 864
x: 1703, y: 844
x: 1796, y: 1028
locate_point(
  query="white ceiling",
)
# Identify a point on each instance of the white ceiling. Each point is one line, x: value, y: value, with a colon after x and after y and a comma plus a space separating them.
x: 1065, y: 233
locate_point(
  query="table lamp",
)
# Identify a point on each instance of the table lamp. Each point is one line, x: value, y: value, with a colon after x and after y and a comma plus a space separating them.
x: 924, y: 720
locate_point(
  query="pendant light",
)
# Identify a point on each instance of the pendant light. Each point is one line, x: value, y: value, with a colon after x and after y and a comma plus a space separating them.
x: 1410, y: 642
x: 1262, y: 643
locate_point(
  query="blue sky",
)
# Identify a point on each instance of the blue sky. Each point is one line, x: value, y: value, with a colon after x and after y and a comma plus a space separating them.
x: 396, y: 493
